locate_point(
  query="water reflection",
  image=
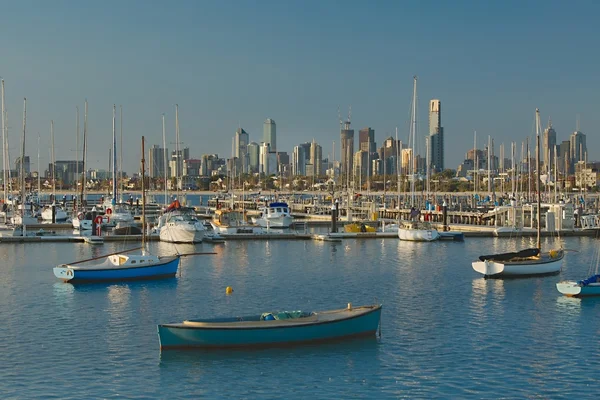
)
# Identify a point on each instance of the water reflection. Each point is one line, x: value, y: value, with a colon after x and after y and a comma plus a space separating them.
x: 568, y: 305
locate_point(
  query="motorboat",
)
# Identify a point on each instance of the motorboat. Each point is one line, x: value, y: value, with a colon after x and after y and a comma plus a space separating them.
x: 276, y: 215
x: 227, y: 221
x: 180, y: 225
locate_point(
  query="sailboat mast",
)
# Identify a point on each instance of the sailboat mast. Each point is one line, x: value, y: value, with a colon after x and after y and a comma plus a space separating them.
x: 76, y: 149
x: 414, y: 136
x: 177, y: 151
x: 114, y: 156
x: 53, y: 161
x: 537, y: 175
x: 39, y: 185
x: 165, y: 168
x: 23, y: 158
x: 4, y: 184
x: 121, y: 152
x: 84, y: 149
x: 143, y: 197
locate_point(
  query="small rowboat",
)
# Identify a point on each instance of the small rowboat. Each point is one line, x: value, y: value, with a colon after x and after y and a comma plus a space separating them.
x: 271, y: 329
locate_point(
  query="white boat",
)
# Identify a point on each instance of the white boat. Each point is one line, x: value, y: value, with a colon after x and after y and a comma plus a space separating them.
x: 527, y: 262
x: 59, y: 213
x: 276, y: 215
x: 585, y: 287
x: 116, y: 213
x: 180, y: 225
x: 232, y: 222
x: 416, y: 231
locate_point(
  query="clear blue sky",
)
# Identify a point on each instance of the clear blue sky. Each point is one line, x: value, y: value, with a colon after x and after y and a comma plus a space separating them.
x: 230, y: 63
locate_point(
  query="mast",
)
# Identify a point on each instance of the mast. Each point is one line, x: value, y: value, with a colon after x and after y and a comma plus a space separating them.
x: 84, y: 149
x: 53, y: 161
x: 76, y: 150
x: 114, y: 157
x: 143, y: 198
x: 177, y: 153
x: 121, y: 153
x: 22, y: 163
x: 537, y: 174
x: 414, y: 136
x: 38, y: 163
x: 164, y: 159
x: 4, y: 151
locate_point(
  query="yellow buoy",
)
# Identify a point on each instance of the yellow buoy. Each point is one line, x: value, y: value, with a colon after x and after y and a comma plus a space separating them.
x: 228, y: 290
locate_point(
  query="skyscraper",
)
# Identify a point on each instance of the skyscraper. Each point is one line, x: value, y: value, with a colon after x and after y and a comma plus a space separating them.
x: 436, y: 136
x: 549, y: 146
x: 298, y: 161
x: 270, y: 134
x: 578, y: 147
x: 366, y: 140
x: 316, y: 158
x: 156, y: 162
x: 253, y: 157
x: 347, y: 153
x: 240, y: 145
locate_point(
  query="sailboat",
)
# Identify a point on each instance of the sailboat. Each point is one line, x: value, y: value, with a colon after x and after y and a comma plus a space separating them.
x: 415, y: 230
x: 179, y: 224
x: 529, y: 261
x: 121, y: 266
x: 25, y: 216
x: 59, y: 213
x: 117, y: 212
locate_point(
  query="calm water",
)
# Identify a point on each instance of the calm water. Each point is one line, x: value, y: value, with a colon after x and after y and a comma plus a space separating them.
x: 446, y: 332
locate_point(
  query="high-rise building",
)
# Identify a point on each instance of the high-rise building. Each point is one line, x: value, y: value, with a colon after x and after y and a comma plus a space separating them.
x: 253, y: 157
x: 564, y: 157
x: 240, y: 144
x: 366, y: 140
x: 26, y: 166
x: 270, y: 134
x: 156, y: 162
x: 549, y: 147
x: 347, y: 151
x: 316, y: 158
x: 299, y: 161
x: 578, y: 147
x: 436, y: 136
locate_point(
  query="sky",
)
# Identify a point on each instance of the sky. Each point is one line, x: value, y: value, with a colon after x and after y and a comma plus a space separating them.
x: 230, y: 64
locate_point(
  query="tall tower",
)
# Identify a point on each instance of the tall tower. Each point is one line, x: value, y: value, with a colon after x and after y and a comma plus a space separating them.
x: 366, y: 140
x: 270, y: 134
x: 436, y: 136
x: 316, y: 157
x: 347, y: 153
x: 578, y: 147
x: 253, y: 157
x: 240, y: 144
x: 549, y: 146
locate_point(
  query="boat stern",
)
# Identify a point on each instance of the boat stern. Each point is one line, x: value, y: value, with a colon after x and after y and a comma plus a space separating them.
x: 64, y: 273
x: 569, y: 288
x: 488, y: 268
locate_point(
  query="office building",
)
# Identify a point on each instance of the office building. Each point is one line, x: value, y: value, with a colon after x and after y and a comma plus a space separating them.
x: 549, y: 147
x: 436, y: 136
x: 366, y: 140
x: 156, y: 162
x: 270, y: 134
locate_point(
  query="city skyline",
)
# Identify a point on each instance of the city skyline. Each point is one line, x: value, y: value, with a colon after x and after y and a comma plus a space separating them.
x: 481, y: 60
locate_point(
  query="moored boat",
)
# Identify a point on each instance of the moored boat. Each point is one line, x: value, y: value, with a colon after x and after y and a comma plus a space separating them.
x: 585, y: 287
x: 276, y: 215
x: 522, y: 263
x: 271, y: 329
x: 416, y: 231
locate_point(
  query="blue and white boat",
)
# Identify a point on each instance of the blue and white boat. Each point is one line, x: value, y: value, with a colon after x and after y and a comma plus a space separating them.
x: 585, y: 287
x: 276, y: 215
x: 119, y: 267
x: 271, y: 329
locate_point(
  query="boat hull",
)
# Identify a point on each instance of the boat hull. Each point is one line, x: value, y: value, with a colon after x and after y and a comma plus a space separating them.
x: 181, y: 234
x: 418, y: 235
x: 363, y: 321
x: 497, y: 268
x: 282, y: 222
x: 166, y: 268
x: 574, y: 289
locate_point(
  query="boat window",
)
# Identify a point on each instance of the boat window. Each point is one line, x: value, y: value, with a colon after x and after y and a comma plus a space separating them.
x: 271, y: 210
x: 278, y: 209
x: 133, y: 261
x: 141, y: 261
x: 285, y: 210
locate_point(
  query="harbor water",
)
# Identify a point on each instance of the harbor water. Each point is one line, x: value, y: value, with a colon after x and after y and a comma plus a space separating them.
x: 445, y: 331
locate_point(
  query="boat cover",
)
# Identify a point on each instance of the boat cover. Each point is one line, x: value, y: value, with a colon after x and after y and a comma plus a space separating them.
x: 283, y: 315
x: 591, y: 279
x: 509, y: 256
